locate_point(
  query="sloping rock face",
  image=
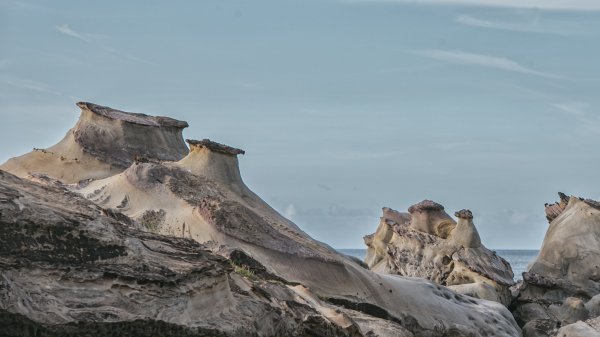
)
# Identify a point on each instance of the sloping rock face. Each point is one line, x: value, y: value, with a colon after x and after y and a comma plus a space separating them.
x: 428, y: 243
x: 104, y: 142
x: 203, y: 197
x: 562, y: 285
x: 69, y: 269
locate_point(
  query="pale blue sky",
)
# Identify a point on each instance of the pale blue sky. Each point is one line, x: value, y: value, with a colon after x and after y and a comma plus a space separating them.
x: 342, y: 106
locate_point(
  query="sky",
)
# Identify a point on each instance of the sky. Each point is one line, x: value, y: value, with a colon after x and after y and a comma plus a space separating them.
x: 343, y: 106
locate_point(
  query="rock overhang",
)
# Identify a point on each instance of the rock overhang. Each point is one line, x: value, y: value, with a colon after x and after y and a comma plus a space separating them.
x: 214, y: 147
x: 132, y: 117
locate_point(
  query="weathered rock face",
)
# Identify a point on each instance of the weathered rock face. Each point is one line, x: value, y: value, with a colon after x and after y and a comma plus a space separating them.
x: 427, y: 243
x: 70, y: 269
x: 561, y: 284
x: 202, y: 197
x: 104, y: 142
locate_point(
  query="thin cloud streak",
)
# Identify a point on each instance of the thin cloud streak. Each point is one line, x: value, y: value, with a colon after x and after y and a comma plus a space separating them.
x: 579, y: 112
x: 487, y: 61
x: 526, y: 28
x: 29, y: 85
x: 65, y: 29
x: 91, y: 38
x: 554, y: 5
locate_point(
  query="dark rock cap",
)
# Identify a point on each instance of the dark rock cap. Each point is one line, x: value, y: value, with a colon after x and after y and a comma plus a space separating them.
x: 215, y: 147
x: 464, y: 214
x: 132, y: 117
x: 425, y: 205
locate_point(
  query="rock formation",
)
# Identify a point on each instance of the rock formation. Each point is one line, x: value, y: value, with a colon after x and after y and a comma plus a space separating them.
x: 562, y: 285
x: 104, y: 142
x: 69, y: 268
x: 428, y: 243
x: 203, y: 197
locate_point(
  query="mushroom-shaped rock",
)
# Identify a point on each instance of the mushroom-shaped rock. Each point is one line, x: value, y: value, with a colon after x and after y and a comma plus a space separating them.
x: 566, y: 272
x: 429, y: 217
x: 465, y: 234
x: 427, y: 243
x: 215, y: 161
x: 104, y: 142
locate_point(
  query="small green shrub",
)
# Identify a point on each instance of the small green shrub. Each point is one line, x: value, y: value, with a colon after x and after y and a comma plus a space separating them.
x: 243, y: 270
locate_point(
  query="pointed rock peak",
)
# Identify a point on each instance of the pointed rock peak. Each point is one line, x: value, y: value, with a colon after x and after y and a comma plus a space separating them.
x: 132, y: 117
x: 464, y: 214
x: 554, y: 210
x: 214, y: 147
x: 425, y: 205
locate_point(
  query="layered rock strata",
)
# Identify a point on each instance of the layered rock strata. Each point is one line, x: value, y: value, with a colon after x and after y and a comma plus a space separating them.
x: 70, y: 268
x: 427, y: 243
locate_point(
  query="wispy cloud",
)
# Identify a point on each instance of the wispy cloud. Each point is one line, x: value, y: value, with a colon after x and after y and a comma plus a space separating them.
x: 565, y: 5
x: 488, y: 61
x: 94, y: 38
x: 65, y: 29
x: 579, y: 111
x: 532, y: 27
x: 30, y: 85
x: 24, y: 5
x: 359, y: 155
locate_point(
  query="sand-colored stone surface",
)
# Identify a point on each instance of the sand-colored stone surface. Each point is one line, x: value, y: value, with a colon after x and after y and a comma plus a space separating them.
x: 561, y: 284
x: 104, y: 142
x: 428, y: 243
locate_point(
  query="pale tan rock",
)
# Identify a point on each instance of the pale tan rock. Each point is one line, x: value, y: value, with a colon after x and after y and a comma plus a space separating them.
x: 427, y: 243
x: 104, y: 142
x: 203, y: 197
x: 566, y: 273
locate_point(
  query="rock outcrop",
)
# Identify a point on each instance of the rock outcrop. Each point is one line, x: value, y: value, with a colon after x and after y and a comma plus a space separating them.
x: 428, y: 243
x: 70, y: 268
x: 203, y: 197
x: 562, y: 285
x: 104, y: 142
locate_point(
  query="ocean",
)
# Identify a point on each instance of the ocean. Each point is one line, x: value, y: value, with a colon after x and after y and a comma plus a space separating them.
x: 518, y: 259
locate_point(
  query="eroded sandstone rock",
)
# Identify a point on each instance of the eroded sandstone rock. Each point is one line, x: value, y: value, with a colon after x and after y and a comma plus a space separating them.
x: 203, y: 197
x: 104, y: 142
x: 428, y: 243
x: 67, y: 269
x: 564, y: 280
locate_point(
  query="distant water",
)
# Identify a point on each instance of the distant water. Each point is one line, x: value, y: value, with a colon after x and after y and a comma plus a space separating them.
x: 518, y: 259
